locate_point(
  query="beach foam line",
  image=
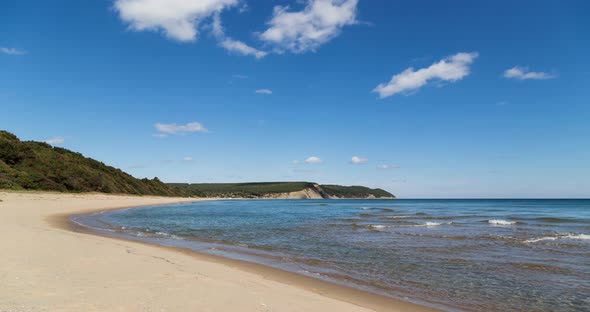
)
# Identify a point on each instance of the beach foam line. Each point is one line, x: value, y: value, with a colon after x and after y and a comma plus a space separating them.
x: 378, y: 226
x: 431, y: 224
x: 125, y: 230
x: 563, y: 236
x: 426, y: 224
x: 397, y: 217
x: 168, y: 235
x: 80, y: 224
x: 382, y: 209
x: 501, y: 222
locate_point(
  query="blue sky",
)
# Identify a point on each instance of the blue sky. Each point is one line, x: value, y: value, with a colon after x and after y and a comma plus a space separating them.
x: 433, y: 98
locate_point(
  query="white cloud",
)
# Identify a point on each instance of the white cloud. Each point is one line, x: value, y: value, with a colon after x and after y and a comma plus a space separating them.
x: 263, y: 91
x: 296, y: 162
x: 178, y: 19
x: 451, y: 69
x: 12, y: 51
x: 231, y: 45
x: 306, y: 30
x: 55, y: 141
x: 386, y: 166
x: 166, y: 129
x: 313, y: 160
x: 358, y: 160
x: 523, y: 73
x: 187, y: 158
x: 239, y: 47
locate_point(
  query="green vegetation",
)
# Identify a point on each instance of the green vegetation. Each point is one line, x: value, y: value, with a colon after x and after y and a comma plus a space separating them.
x: 39, y: 166
x: 242, y: 190
x: 29, y: 165
x: 261, y: 189
x: 354, y: 191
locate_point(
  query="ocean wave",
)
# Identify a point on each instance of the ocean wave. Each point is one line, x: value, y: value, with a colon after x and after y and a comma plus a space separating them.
x: 561, y: 236
x: 348, y: 219
x: 501, y: 222
x: 378, y: 208
x: 367, y: 215
x: 168, y: 235
x: 91, y: 227
x: 555, y: 220
x: 378, y: 226
x: 382, y: 226
x: 430, y: 224
x: 551, y: 219
x: 397, y: 217
x: 438, y: 218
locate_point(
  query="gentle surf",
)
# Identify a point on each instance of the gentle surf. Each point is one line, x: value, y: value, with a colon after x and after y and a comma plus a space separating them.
x: 503, y: 255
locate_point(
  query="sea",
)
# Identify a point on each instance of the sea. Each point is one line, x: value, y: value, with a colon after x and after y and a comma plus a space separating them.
x: 451, y: 254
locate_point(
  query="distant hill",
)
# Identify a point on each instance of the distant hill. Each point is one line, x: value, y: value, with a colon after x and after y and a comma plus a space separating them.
x: 29, y: 165
x: 293, y: 190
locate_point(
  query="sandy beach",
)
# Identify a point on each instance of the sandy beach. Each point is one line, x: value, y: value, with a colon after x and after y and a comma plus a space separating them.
x: 49, y: 265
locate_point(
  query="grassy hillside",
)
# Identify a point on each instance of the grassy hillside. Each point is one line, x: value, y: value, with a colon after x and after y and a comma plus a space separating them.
x: 29, y: 165
x: 245, y: 190
x: 39, y: 166
x: 254, y: 190
x: 354, y: 191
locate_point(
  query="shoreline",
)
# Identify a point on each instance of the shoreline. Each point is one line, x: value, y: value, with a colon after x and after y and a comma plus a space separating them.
x: 335, y: 297
x: 332, y: 290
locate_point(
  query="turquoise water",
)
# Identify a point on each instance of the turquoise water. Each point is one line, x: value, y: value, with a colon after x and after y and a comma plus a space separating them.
x: 481, y: 255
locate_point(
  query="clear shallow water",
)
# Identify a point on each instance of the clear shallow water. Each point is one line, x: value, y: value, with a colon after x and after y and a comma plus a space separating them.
x: 502, y: 255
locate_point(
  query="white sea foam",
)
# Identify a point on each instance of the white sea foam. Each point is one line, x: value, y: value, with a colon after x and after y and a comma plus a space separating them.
x: 563, y: 236
x: 91, y: 227
x: 168, y: 235
x: 578, y: 236
x: 378, y: 226
x: 501, y: 222
x: 397, y: 217
x: 431, y: 224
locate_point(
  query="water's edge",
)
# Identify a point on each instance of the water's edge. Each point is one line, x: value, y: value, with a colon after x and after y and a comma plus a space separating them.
x: 332, y: 288
x: 470, y: 255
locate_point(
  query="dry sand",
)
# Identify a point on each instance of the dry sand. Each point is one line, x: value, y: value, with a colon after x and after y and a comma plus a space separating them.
x: 46, y: 265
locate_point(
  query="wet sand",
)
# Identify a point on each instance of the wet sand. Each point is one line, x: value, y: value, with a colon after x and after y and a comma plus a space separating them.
x: 49, y: 264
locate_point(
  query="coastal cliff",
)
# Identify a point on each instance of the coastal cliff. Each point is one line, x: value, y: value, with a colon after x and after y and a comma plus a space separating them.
x: 308, y: 193
x: 282, y: 190
x: 30, y: 165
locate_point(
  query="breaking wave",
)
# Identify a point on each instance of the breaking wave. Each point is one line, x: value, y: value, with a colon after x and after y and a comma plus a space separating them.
x: 501, y: 222
x: 562, y: 236
x: 430, y: 224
